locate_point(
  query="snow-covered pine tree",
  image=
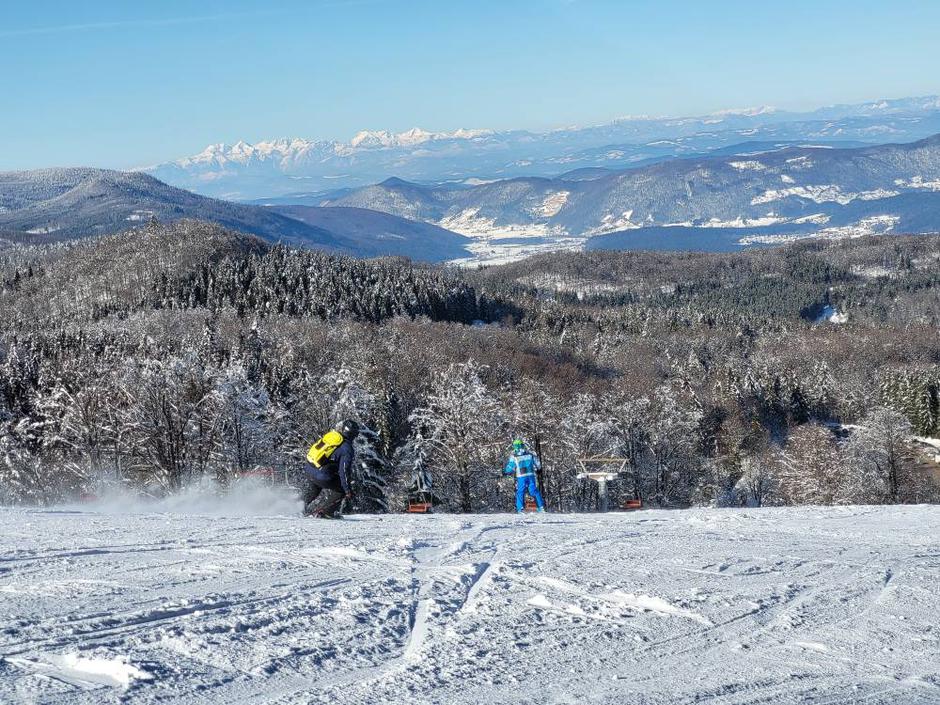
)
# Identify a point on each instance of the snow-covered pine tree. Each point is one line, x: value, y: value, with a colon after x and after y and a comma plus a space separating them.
x: 410, y: 460
x: 21, y: 477
x: 916, y: 394
x: 353, y: 400
x: 462, y: 427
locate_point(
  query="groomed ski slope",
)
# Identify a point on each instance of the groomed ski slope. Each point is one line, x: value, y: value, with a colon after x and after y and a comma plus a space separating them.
x: 821, y: 605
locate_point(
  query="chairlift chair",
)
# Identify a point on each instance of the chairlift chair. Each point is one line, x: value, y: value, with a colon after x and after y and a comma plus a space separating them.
x: 420, y: 495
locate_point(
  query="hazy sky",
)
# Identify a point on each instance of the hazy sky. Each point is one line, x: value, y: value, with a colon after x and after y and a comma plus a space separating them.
x: 115, y: 83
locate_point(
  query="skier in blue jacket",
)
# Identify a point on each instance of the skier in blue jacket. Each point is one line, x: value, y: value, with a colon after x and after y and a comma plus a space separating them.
x: 524, y: 464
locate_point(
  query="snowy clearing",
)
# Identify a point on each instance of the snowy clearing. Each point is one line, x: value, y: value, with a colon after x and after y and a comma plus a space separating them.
x: 873, y: 225
x: 819, y: 605
x: 821, y: 194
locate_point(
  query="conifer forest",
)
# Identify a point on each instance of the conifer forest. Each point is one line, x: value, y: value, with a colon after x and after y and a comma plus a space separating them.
x: 173, y: 354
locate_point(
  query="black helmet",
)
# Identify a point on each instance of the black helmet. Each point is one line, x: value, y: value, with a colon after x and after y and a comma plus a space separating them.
x: 349, y: 429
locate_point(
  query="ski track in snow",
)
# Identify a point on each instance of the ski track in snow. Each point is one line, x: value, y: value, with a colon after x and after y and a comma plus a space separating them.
x: 822, y: 605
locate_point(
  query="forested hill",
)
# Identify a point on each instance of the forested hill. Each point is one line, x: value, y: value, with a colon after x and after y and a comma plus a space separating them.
x: 173, y: 353
x: 55, y: 205
x: 878, y: 280
x: 196, y: 265
x: 58, y: 205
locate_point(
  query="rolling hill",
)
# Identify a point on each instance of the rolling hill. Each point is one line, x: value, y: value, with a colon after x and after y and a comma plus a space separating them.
x: 374, y: 233
x: 53, y: 205
x: 766, y: 196
x: 64, y: 204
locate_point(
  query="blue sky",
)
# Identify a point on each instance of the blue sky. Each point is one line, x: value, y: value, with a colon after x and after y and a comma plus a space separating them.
x: 120, y: 84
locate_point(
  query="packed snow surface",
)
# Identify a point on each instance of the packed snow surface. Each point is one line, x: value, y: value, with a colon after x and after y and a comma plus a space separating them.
x: 836, y: 605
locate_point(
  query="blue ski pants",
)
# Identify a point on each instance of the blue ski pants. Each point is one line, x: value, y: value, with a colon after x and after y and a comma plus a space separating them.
x: 528, y: 484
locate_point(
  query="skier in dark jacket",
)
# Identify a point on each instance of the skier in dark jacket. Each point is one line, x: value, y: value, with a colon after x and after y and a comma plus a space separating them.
x: 328, y: 485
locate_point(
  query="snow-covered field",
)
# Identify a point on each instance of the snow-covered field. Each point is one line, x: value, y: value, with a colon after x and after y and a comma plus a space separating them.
x: 720, y: 606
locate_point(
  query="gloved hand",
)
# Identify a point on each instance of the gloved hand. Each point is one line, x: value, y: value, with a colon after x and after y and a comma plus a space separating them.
x: 349, y: 496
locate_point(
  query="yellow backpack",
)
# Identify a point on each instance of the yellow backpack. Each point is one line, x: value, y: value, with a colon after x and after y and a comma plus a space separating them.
x: 321, y: 451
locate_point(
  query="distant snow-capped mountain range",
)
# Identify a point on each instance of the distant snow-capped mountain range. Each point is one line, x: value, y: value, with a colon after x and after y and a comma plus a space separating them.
x: 754, y: 194
x: 277, y: 168
x: 296, y: 149
x: 719, y: 182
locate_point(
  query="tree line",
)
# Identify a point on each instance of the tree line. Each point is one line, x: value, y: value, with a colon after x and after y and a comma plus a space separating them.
x: 171, y: 353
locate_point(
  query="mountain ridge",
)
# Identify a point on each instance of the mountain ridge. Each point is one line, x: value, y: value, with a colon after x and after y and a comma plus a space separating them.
x: 81, y: 202
x: 273, y: 168
x: 803, y: 190
x: 755, y: 194
x: 63, y: 204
